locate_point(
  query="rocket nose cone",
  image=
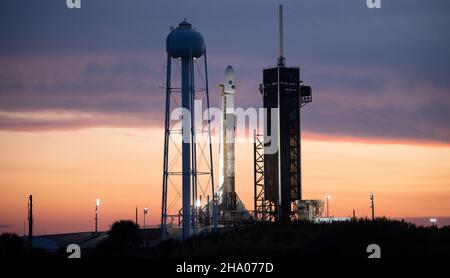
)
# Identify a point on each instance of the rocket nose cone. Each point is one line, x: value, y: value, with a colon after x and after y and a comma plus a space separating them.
x: 229, y: 72
x: 230, y: 80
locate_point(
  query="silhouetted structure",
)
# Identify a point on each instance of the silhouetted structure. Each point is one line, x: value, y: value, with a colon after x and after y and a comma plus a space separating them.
x: 30, y: 219
x: 372, y: 205
x: 282, y: 91
x: 97, y: 204
x: 136, y: 216
x: 186, y: 45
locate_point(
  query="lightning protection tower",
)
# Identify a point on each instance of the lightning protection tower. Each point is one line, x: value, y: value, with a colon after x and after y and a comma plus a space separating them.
x: 283, y: 90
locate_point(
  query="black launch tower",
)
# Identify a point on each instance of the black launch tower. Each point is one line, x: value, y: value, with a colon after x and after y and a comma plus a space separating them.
x: 282, y: 89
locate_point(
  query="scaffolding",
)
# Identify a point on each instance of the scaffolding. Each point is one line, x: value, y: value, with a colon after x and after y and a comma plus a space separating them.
x: 264, y: 210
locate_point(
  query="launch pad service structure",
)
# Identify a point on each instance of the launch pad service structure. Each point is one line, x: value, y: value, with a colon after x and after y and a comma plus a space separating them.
x: 278, y: 175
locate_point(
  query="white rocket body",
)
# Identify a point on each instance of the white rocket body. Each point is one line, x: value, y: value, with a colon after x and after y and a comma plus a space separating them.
x: 227, y: 138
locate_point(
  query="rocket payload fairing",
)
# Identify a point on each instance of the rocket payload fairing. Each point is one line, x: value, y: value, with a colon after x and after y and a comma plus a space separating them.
x: 227, y: 193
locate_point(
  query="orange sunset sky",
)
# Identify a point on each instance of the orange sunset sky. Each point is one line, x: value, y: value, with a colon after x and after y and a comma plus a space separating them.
x: 65, y: 171
x: 82, y: 108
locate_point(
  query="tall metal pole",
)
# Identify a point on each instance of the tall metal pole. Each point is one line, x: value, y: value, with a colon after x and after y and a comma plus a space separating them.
x: 281, y: 36
x: 30, y: 218
x: 166, y: 151
x: 328, y: 197
x: 214, y: 208
x: 96, y: 215
x: 280, y: 209
x: 145, y: 215
x: 254, y: 176
x: 372, y: 205
x: 136, y: 221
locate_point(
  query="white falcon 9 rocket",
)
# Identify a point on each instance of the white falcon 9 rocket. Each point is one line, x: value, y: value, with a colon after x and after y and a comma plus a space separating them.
x: 227, y: 193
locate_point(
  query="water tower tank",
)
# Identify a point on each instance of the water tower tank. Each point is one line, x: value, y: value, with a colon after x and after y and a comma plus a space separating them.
x: 184, y: 41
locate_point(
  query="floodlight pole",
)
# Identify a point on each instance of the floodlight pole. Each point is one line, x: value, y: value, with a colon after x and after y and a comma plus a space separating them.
x: 136, y: 216
x: 30, y: 218
x: 97, y: 203
x: 328, y: 197
x: 145, y: 215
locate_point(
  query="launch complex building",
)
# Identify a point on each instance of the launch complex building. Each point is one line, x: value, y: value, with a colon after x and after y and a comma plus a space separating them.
x: 277, y: 175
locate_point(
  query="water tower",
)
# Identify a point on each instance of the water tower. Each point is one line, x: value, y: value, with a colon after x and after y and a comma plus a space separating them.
x: 188, y: 185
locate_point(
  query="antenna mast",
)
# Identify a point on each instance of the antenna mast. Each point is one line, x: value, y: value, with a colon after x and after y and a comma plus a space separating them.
x: 281, y: 36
